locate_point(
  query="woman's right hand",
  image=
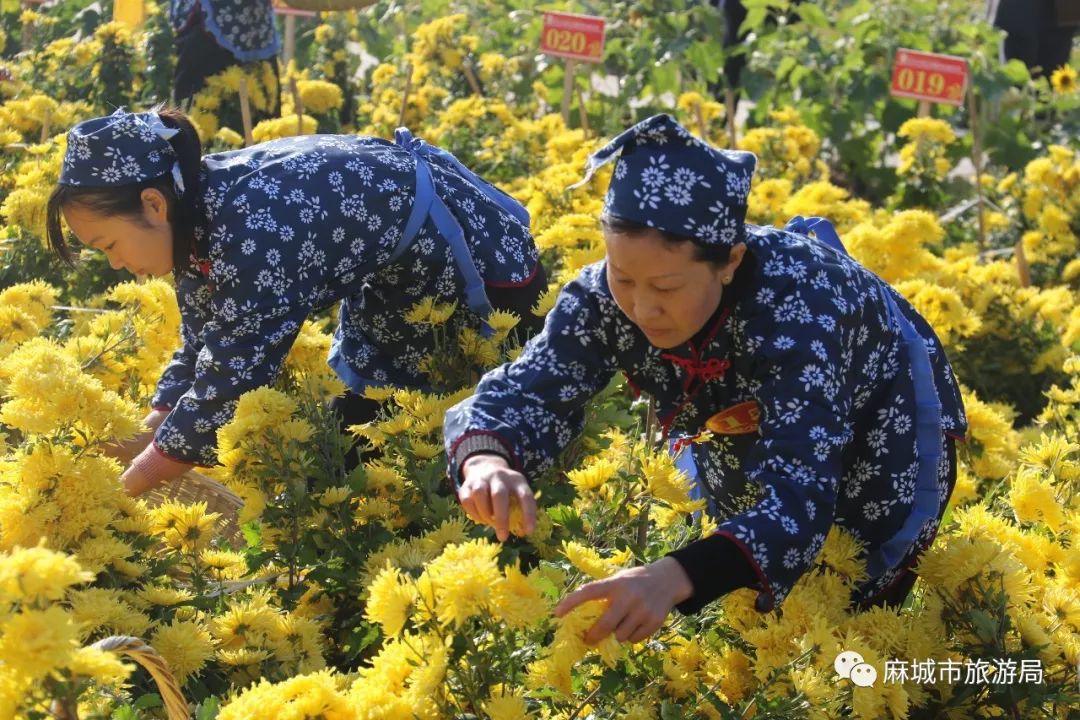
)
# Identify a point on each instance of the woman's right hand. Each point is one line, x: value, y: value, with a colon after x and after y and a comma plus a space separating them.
x: 126, y: 450
x: 488, y: 484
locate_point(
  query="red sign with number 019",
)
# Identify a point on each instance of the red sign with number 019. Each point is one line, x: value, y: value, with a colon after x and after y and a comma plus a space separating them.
x: 929, y: 76
x: 577, y: 37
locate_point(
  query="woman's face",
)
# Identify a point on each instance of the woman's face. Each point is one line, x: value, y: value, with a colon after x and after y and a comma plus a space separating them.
x: 662, y: 287
x: 140, y: 247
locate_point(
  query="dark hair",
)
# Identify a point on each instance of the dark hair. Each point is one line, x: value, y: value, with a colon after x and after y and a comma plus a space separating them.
x: 715, y: 255
x: 126, y: 200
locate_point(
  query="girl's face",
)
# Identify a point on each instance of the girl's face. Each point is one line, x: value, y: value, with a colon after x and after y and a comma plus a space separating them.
x: 142, y: 246
x: 662, y: 287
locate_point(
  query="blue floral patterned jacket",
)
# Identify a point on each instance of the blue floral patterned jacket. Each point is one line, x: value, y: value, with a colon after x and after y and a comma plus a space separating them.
x: 243, y: 27
x: 803, y: 377
x: 294, y: 225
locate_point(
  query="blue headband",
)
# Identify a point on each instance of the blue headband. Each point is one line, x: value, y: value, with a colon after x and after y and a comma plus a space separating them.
x: 120, y: 149
x: 670, y: 180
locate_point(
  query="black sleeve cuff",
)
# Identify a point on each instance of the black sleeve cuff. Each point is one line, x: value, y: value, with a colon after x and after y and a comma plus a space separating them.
x: 715, y: 566
x: 475, y: 445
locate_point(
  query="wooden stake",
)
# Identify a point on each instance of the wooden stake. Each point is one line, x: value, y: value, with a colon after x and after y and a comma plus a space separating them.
x: 1023, y: 270
x: 729, y: 107
x: 408, y: 69
x: 46, y: 125
x: 583, y: 114
x: 405, y: 95
x: 245, y: 113
x: 289, y: 51
x: 924, y: 109
x: 976, y: 158
x: 298, y: 104
x: 700, y: 115
x: 474, y: 83
x: 568, y: 89
x: 27, y: 30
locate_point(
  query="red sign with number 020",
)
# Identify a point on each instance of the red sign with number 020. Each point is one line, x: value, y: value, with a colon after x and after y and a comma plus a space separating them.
x: 929, y: 76
x: 577, y: 37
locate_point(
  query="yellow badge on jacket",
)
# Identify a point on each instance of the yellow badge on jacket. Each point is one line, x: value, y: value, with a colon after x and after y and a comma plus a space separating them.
x: 738, y: 419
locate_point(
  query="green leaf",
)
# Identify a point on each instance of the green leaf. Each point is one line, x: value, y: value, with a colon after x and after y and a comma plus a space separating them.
x: 755, y: 18
x: 671, y: 711
x: 545, y: 585
x: 150, y: 700
x: 368, y: 638
x: 1016, y: 71
x: 985, y: 625
x: 665, y: 78
x: 251, y: 534
x: 611, y: 681
x: 785, y: 67
x: 706, y: 57
x: 798, y: 74
x: 812, y: 15
x: 208, y: 709
x: 124, y: 713
x: 567, y: 517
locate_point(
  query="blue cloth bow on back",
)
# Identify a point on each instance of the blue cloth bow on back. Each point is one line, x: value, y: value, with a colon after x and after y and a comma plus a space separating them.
x: 428, y: 204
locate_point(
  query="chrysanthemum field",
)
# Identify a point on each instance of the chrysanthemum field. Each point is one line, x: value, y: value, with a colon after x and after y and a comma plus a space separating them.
x: 369, y: 594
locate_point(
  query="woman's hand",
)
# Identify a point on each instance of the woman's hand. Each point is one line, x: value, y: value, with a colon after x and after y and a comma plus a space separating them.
x: 488, y: 484
x: 126, y: 451
x: 136, y: 483
x: 151, y: 468
x: 639, y: 600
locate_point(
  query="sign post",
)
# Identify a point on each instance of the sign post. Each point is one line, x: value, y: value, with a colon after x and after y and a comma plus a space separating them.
x: 288, y: 51
x: 976, y: 159
x: 934, y: 78
x: 298, y: 105
x: 245, y: 113
x: 575, y: 38
x: 568, y: 89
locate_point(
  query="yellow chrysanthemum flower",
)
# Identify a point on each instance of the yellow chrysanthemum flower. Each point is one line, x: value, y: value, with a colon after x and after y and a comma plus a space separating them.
x: 509, y: 706
x: 1034, y: 499
x: 187, y: 528
x: 390, y: 596
x: 31, y: 575
x: 593, y: 474
x: 186, y: 646
x: 317, y: 695
x: 33, y: 643
x: 518, y: 600
x: 464, y: 579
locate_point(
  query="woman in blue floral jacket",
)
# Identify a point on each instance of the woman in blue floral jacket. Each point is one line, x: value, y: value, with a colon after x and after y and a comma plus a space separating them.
x: 830, y: 399
x: 258, y: 239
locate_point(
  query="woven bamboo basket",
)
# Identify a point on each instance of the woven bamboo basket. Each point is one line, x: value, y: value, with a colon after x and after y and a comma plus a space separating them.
x: 176, y: 707
x: 328, y: 5
x: 194, y: 487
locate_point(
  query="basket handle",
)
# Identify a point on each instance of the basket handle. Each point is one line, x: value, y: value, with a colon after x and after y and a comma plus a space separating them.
x: 176, y: 706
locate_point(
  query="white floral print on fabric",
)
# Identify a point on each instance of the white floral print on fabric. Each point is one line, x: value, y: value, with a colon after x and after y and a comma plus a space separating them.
x: 243, y: 27
x: 296, y: 225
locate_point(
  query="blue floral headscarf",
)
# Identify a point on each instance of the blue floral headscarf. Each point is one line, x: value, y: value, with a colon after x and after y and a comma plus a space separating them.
x: 124, y: 148
x: 670, y: 180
